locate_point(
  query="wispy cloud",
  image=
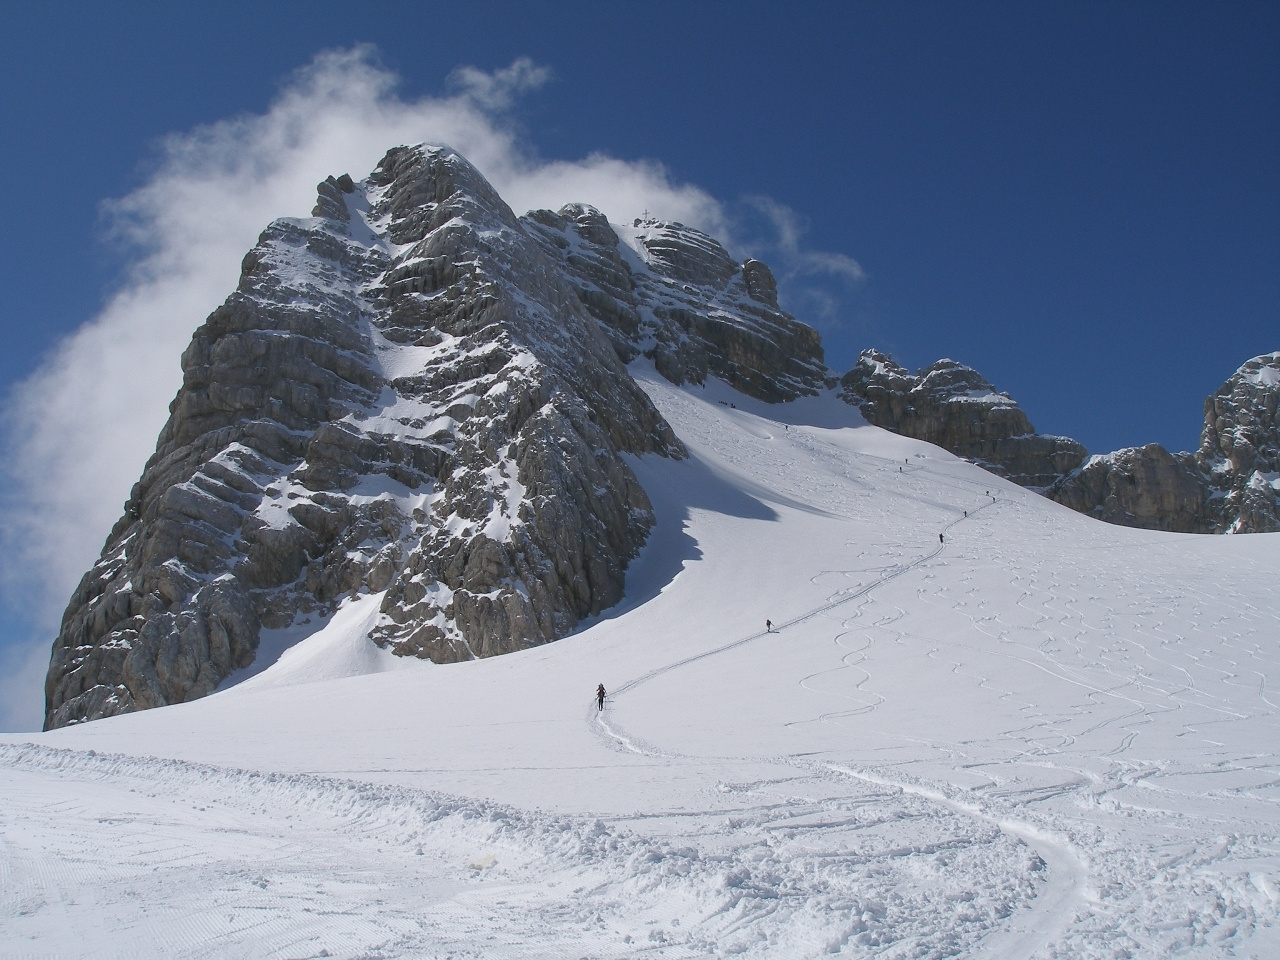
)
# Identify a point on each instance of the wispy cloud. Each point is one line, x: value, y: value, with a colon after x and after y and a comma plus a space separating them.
x: 789, y: 229
x: 501, y: 89
x: 22, y: 671
x: 816, y: 283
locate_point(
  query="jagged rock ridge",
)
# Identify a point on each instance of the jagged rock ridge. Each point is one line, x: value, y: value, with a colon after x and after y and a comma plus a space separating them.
x: 955, y: 407
x: 677, y: 297
x: 1229, y: 485
x: 1146, y: 487
x: 403, y: 396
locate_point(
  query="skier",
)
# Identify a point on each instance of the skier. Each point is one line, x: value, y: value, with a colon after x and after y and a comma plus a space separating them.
x: 768, y: 626
x: 600, y: 697
x: 940, y: 538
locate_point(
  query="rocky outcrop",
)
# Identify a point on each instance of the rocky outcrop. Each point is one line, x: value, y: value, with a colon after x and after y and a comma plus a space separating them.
x: 405, y: 396
x: 675, y: 295
x: 1240, y: 448
x: 955, y: 407
x: 1231, y: 484
x: 1146, y: 487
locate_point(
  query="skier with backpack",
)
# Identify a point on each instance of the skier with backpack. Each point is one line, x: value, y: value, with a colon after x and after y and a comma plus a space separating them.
x: 600, y: 697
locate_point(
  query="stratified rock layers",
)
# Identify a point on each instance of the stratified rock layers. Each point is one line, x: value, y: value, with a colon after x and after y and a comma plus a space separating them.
x: 404, y: 396
x: 1230, y: 485
x: 679, y: 299
x: 1146, y: 487
x: 954, y: 407
x: 1240, y: 448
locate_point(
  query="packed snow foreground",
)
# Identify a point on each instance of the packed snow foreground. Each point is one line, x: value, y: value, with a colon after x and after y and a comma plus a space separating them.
x: 1043, y: 737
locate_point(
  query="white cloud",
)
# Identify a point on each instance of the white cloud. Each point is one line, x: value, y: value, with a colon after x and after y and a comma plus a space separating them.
x: 788, y: 229
x: 835, y: 264
x: 785, y: 221
x: 22, y: 670
x: 815, y: 285
x: 498, y: 90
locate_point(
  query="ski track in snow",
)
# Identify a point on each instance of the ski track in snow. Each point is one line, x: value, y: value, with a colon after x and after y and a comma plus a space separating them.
x: 1064, y: 891
x: 1041, y: 739
x: 1067, y: 893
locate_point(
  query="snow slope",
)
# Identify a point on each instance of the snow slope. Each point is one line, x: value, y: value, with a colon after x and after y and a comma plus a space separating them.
x: 1043, y: 737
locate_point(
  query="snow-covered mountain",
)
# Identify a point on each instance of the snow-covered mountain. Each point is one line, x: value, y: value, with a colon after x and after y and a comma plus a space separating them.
x: 417, y: 396
x: 980, y: 726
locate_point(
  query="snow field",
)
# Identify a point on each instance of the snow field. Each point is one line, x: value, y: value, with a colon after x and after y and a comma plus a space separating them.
x: 1045, y: 737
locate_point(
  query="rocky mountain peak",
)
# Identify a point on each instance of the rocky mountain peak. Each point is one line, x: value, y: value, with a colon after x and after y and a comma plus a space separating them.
x: 683, y: 253
x: 417, y: 396
x: 419, y: 189
x: 1229, y: 485
x: 1146, y: 487
x: 760, y: 282
x: 405, y: 396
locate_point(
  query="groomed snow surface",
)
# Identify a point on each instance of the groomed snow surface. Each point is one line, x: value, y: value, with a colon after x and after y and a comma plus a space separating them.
x: 1043, y: 737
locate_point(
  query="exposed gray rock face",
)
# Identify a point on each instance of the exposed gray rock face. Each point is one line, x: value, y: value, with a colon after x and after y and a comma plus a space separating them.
x: 1240, y: 448
x: 404, y: 396
x: 1230, y: 485
x: 675, y: 295
x: 415, y: 395
x: 1146, y: 487
x: 955, y: 407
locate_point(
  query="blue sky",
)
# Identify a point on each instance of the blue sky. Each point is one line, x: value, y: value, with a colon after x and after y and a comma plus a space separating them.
x: 1080, y: 200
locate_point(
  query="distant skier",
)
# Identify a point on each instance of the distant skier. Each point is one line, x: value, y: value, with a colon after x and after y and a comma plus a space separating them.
x: 600, y: 697
x: 940, y: 538
x: 768, y: 626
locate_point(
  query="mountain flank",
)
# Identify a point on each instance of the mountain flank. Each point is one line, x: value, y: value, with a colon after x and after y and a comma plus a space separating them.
x: 418, y: 395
